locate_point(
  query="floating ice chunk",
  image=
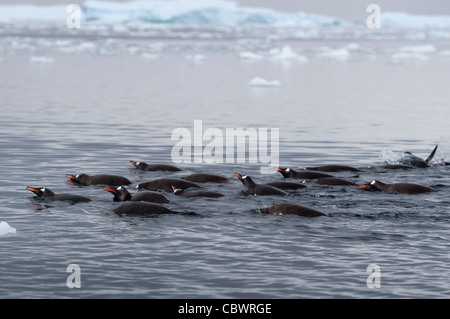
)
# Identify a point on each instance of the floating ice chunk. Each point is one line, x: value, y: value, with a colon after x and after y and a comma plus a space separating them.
x: 442, y: 53
x: 250, y: 56
x: 286, y: 54
x: 353, y: 47
x: 261, y: 82
x: 6, y: 229
x: 408, y: 56
x: 341, y: 55
x: 150, y: 56
x: 41, y: 60
x: 196, y: 57
x: 428, y: 48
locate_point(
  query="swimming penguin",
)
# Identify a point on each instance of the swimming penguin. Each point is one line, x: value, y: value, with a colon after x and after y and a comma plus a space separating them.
x: 286, y: 185
x: 111, y: 180
x: 121, y: 194
x: 192, y: 193
x: 291, y: 209
x: 333, y: 181
x: 396, y: 188
x: 165, y: 184
x: 48, y: 195
x: 412, y: 160
x: 205, y: 178
x: 154, y: 167
x: 142, y: 209
x: 258, y: 189
x: 290, y: 173
x: 333, y: 168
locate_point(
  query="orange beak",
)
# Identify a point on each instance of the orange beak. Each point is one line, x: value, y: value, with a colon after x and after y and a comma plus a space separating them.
x: 173, y: 188
x: 71, y: 177
x: 280, y: 170
x: 133, y: 162
x: 362, y: 187
x: 31, y: 189
x: 109, y: 189
x: 238, y: 175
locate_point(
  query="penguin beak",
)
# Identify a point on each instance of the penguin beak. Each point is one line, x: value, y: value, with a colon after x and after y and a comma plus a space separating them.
x: 238, y: 176
x: 71, y: 177
x: 173, y: 188
x: 109, y: 189
x: 280, y: 170
x: 34, y: 190
x: 133, y: 162
x: 364, y: 187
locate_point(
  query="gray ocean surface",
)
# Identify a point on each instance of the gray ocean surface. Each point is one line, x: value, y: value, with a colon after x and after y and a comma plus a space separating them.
x: 91, y: 102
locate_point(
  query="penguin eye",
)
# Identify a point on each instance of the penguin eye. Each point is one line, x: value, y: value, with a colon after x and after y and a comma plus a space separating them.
x: 372, y: 183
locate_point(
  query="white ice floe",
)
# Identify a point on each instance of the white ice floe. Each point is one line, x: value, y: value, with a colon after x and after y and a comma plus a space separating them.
x: 41, y: 60
x: 250, y: 56
x: 428, y: 48
x: 196, y: 57
x: 286, y: 54
x: 341, y: 55
x: 150, y: 56
x: 6, y: 229
x: 353, y: 47
x: 261, y: 82
x: 408, y: 56
x: 442, y: 53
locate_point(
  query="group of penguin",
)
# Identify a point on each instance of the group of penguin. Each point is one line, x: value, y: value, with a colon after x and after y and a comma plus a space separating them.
x: 149, y: 199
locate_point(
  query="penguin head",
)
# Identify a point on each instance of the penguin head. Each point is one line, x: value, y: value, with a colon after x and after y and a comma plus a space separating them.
x: 138, y: 164
x: 79, y: 178
x: 120, y: 193
x: 246, y: 180
x: 286, y: 172
x: 372, y: 186
x: 177, y: 191
x: 41, y: 191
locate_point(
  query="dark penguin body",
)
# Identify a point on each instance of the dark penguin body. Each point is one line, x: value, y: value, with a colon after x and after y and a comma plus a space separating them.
x: 333, y: 181
x: 142, y: 209
x: 333, y: 168
x: 121, y: 194
x: 103, y: 179
x: 290, y: 173
x: 286, y: 185
x: 154, y: 167
x: 47, y: 195
x: 396, y: 188
x: 192, y: 193
x: 412, y: 160
x: 205, y: 178
x: 258, y: 189
x: 291, y: 209
x: 165, y: 184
